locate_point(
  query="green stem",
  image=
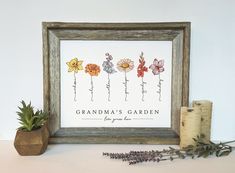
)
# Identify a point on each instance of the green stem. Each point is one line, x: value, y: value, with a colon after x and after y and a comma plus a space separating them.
x: 228, y: 142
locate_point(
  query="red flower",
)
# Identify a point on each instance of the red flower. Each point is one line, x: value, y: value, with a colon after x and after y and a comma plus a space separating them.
x: 141, y: 68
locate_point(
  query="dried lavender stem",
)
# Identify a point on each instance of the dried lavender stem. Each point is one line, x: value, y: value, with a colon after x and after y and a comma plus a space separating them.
x: 201, y: 149
x: 228, y: 142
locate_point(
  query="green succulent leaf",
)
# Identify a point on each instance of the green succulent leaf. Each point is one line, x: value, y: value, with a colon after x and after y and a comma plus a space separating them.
x: 30, y: 120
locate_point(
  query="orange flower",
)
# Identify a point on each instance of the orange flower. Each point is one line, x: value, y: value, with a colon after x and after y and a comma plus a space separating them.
x: 92, y: 69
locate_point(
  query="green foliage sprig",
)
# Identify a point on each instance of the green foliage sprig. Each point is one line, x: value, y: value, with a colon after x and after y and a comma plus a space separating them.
x: 29, y: 119
x: 201, y: 149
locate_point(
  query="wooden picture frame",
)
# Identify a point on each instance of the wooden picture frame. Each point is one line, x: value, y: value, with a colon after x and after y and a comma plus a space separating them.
x: 54, y: 32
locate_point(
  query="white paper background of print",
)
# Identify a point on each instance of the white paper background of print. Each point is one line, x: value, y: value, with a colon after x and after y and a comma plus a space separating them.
x: 94, y: 52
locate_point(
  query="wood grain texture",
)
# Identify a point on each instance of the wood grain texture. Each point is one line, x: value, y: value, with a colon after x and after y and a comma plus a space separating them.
x: 143, y: 35
x: 31, y: 143
x: 177, y: 32
x: 54, y: 75
x: 118, y: 131
x: 176, y: 89
x: 114, y: 140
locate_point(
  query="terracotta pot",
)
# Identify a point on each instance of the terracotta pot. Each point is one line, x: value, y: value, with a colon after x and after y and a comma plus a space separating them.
x: 31, y: 143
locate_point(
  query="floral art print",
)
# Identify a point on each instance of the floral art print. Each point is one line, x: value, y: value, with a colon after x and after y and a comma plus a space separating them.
x: 116, y: 83
x: 124, y: 65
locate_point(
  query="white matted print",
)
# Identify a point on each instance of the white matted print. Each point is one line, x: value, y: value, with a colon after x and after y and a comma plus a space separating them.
x: 115, y: 83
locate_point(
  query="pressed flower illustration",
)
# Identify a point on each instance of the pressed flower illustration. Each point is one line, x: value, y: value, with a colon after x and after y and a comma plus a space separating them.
x: 74, y: 66
x: 141, y: 69
x: 93, y: 70
x: 125, y: 65
x: 157, y: 68
x: 109, y: 68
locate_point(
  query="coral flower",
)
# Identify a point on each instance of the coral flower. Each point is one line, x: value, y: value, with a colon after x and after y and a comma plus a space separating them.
x: 140, y: 73
x: 92, y: 69
x: 157, y: 66
x: 141, y: 67
x: 125, y: 65
x: 74, y: 65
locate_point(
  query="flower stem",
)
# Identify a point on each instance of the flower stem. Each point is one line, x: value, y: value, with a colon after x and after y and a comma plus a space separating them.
x: 108, y: 87
x: 75, y: 87
x: 92, y: 89
x: 142, y: 87
x: 159, y: 87
x: 228, y: 142
x: 125, y: 84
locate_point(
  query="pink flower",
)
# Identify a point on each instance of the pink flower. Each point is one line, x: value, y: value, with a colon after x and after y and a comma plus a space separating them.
x: 157, y: 66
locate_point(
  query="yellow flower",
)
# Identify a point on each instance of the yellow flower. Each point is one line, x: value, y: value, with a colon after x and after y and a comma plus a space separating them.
x: 74, y: 65
x: 125, y: 65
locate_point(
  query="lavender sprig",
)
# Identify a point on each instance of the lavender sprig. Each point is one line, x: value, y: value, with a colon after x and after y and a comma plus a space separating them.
x: 201, y: 149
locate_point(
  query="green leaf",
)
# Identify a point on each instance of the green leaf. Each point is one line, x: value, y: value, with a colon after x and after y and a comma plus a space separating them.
x: 201, y: 153
x: 225, y: 153
x: 206, y: 153
x: 29, y: 119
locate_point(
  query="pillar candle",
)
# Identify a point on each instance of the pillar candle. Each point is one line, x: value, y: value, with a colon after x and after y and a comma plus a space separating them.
x: 190, y: 125
x: 205, y: 107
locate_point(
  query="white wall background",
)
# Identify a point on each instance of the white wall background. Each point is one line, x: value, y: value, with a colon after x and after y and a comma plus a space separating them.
x: 212, y: 73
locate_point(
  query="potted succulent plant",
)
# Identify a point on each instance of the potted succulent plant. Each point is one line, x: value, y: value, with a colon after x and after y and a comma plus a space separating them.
x: 32, y: 136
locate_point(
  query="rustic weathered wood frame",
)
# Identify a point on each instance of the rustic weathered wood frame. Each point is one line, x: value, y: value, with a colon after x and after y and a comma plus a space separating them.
x: 177, y: 32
